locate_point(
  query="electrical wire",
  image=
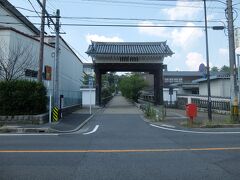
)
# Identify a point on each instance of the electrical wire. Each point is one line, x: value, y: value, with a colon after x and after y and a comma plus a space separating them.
x: 107, y: 19
x: 120, y: 25
x: 34, y: 8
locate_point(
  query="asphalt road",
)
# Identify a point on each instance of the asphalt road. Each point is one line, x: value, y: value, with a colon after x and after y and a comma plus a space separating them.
x: 118, y: 144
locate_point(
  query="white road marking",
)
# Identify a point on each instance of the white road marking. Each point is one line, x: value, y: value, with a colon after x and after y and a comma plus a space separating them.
x: 193, y: 132
x: 94, y: 130
x: 166, y: 125
x: 49, y: 134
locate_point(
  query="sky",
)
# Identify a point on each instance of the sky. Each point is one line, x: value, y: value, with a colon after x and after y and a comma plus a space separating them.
x: 188, y: 44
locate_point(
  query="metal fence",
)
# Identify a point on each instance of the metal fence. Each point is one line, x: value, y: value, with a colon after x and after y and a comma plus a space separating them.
x: 218, y: 103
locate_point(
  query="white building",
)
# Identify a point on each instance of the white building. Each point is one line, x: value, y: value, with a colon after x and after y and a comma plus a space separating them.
x: 19, y: 38
x: 219, y: 85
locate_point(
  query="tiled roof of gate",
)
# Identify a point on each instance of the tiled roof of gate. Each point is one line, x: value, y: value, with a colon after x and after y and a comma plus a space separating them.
x: 129, y: 48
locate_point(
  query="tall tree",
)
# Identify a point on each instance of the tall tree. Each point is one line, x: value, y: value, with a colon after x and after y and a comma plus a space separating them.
x: 214, y: 69
x: 225, y: 69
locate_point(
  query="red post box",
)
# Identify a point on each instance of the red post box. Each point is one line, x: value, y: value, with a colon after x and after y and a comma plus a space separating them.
x: 191, y: 112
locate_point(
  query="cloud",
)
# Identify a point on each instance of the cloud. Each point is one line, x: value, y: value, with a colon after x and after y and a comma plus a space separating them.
x: 193, y: 61
x: 223, y: 52
x: 96, y: 37
x: 153, y: 31
x: 183, y: 10
x: 183, y: 37
x: 186, y: 36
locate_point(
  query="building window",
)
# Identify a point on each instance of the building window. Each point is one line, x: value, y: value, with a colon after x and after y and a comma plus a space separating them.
x: 166, y: 80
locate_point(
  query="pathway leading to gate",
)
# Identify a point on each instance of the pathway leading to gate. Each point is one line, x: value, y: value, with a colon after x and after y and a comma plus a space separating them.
x: 120, y: 105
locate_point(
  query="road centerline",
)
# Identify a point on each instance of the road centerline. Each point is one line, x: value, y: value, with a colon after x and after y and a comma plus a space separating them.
x: 124, y: 150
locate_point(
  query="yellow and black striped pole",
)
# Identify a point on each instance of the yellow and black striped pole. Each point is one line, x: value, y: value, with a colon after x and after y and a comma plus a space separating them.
x: 55, y: 114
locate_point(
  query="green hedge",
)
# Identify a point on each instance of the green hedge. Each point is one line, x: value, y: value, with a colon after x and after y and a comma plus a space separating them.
x: 22, y: 97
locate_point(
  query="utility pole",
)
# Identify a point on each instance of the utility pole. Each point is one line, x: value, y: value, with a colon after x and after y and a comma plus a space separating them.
x: 208, y: 71
x: 232, y: 59
x: 41, y: 51
x: 56, y: 84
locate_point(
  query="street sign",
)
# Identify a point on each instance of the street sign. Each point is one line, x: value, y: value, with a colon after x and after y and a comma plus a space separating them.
x: 237, y: 37
x: 90, y: 82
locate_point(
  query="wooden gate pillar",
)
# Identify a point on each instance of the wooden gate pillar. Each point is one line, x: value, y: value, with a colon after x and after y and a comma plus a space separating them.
x: 98, y: 86
x: 161, y: 101
x: 158, y: 86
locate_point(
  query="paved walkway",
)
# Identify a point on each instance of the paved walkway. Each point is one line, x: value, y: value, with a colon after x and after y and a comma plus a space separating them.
x: 120, y: 105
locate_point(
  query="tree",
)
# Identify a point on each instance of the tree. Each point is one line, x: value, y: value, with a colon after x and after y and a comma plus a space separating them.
x: 130, y: 86
x: 15, y: 60
x: 214, y: 69
x: 225, y: 69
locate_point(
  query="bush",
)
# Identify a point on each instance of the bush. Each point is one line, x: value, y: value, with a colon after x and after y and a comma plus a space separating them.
x: 106, y: 95
x: 150, y: 112
x: 131, y: 86
x: 22, y: 97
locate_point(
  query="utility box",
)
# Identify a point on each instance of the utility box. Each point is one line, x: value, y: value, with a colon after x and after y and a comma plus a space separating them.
x: 191, y: 110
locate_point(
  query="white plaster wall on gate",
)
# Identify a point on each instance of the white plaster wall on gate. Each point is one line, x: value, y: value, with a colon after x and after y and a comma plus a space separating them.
x: 117, y: 59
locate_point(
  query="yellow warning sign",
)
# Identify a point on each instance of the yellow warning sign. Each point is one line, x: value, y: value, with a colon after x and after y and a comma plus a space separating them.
x: 55, y: 114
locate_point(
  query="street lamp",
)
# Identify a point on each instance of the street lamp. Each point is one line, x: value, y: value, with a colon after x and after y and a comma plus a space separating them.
x: 207, y: 59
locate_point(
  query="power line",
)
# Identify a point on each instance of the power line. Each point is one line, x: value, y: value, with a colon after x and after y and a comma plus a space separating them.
x: 25, y: 9
x: 120, y: 25
x: 127, y: 19
x: 34, y: 8
x: 138, y: 3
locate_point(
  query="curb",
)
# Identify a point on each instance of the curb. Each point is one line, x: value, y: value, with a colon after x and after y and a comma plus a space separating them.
x: 51, y: 130
x: 21, y: 130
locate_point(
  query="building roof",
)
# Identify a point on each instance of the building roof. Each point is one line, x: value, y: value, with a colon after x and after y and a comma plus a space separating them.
x: 182, y: 73
x: 213, y: 77
x: 129, y: 48
x: 8, y: 6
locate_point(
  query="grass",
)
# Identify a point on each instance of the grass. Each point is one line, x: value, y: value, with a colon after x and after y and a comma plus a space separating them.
x: 207, y: 124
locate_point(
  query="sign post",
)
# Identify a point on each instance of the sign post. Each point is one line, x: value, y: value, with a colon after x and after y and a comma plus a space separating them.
x: 90, y: 85
x: 50, y: 103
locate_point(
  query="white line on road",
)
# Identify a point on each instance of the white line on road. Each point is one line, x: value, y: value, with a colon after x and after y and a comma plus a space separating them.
x: 94, y: 130
x: 49, y: 134
x: 193, y: 132
x: 166, y: 125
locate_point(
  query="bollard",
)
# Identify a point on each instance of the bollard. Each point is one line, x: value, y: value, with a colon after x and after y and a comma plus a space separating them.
x: 55, y: 114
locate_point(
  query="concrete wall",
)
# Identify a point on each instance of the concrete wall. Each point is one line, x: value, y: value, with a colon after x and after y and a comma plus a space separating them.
x: 88, y: 96
x: 219, y: 87
x: 71, y: 75
x: 166, y: 96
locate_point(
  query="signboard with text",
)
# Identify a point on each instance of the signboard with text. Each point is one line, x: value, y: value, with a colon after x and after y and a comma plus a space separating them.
x: 48, y: 73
